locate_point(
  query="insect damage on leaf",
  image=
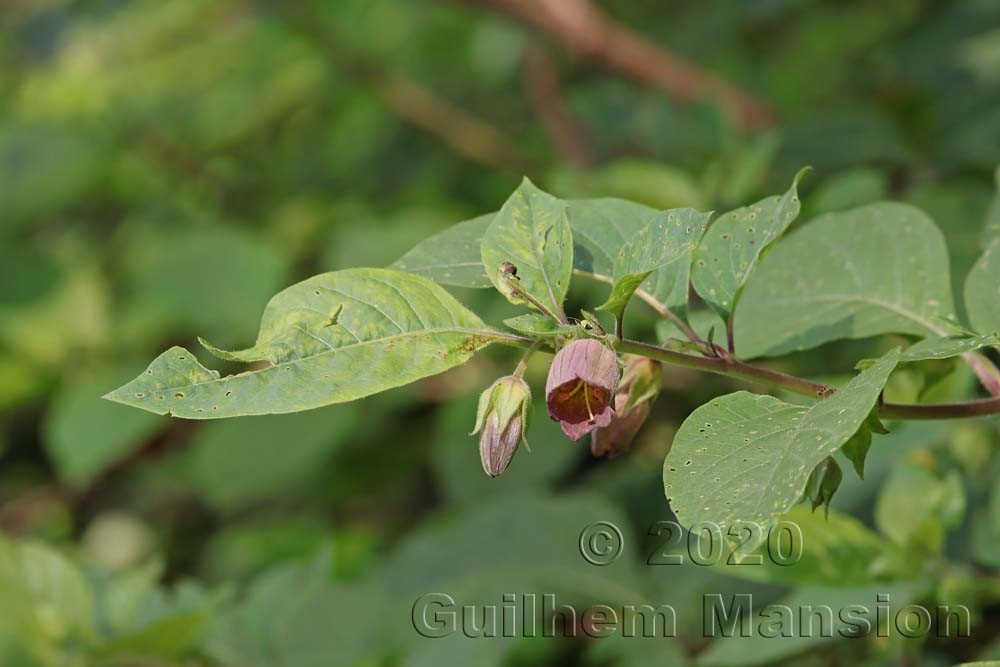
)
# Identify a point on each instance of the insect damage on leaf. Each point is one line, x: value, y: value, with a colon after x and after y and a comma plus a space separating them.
x: 395, y: 328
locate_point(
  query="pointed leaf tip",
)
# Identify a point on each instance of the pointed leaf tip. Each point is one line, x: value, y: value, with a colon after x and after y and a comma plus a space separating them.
x: 396, y: 328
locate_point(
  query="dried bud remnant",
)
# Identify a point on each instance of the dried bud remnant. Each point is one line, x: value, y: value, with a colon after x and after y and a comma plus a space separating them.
x: 508, y: 283
x: 638, y: 389
x: 501, y: 420
x: 581, y: 382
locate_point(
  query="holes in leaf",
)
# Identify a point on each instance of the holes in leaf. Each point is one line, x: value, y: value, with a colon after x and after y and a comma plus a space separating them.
x: 179, y: 394
x: 228, y: 394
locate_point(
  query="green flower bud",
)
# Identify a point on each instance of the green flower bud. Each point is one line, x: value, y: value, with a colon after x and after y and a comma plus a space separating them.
x: 501, y: 420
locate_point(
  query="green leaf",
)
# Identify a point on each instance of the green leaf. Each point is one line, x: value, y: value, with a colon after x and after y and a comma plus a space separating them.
x: 451, y: 257
x: 293, y: 616
x: 823, y: 484
x: 333, y: 338
x: 600, y: 228
x: 747, y: 458
x: 856, y: 449
x: 915, y: 507
x: 213, y: 281
x: 235, y: 462
x: 874, y: 270
x: 536, y: 324
x: 735, y: 242
x: 532, y: 232
x: 831, y: 549
x: 766, y: 645
x: 48, y: 584
x: 991, y: 232
x: 982, y: 291
x: 84, y: 435
x: 671, y: 236
x: 944, y: 347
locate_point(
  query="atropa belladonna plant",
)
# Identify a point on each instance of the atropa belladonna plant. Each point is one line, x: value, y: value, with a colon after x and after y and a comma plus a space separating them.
x: 743, y: 457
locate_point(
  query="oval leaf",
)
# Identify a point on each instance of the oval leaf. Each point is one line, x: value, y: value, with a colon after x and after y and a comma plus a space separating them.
x: 332, y: 338
x: 451, y: 257
x: 600, y: 227
x: 747, y: 458
x: 532, y: 232
x: 669, y: 237
x: 878, y: 269
x: 732, y: 246
x: 535, y: 324
x: 945, y: 347
x: 982, y: 291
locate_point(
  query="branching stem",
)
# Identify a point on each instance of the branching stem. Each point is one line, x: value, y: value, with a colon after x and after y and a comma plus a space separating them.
x: 732, y: 367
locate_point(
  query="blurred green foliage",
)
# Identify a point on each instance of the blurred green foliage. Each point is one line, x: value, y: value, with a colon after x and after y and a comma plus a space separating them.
x: 165, y: 167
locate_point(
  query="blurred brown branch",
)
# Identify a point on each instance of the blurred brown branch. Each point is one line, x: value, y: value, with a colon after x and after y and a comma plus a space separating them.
x: 462, y: 132
x: 589, y: 33
x: 412, y: 102
x: 544, y: 92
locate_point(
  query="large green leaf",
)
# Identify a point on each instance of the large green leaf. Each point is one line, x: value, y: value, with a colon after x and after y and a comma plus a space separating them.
x: 332, y: 338
x: 878, y: 269
x: 916, y: 507
x: 38, y: 581
x: 669, y: 237
x: 532, y: 232
x: 747, y: 458
x: 991, y: 232
x: 600, y: 227
x: 944, y: 347
x: 766, y: 644
x: 234, y: 462
x: 212, y: 281
x: 735, y: 242
x: 451, y: 257
x: 819, y: 549
x: 982, y: 291
x: 84, y: 435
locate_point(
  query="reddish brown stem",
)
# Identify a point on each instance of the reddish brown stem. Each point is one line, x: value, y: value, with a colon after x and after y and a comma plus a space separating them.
x: 587, y: 32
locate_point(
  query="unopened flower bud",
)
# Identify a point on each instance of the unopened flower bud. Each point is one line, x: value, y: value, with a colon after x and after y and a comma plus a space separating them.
x: 580, y: 385
x: 501, y: 420
x: 639, y: 386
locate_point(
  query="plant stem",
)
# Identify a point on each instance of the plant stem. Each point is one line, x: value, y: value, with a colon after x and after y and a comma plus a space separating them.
x: 730, y: 367
x: 523, y: 363
x: 660, y: 309
x: 734, y: 368
x: 559, y: 316
x: 977, y: 408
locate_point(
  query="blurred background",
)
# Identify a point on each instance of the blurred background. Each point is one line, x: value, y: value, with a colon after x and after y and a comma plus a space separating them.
x: 165, y: 167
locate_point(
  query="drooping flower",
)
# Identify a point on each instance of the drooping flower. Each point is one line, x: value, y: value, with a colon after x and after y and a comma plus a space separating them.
x: 581, y: 382
x: 501, y: 420
x: 639, y: 386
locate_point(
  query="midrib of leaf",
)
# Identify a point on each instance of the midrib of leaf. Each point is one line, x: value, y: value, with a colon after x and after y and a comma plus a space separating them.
x: 485, y: 333
x: 845, y: 298
x: 540, y: 259
x: 853, y: 273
